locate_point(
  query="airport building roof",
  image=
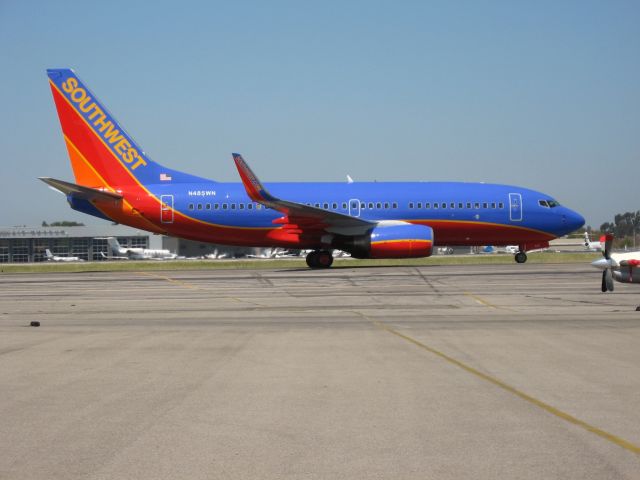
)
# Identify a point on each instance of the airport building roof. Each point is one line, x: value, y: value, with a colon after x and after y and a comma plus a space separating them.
x: 88, y: 231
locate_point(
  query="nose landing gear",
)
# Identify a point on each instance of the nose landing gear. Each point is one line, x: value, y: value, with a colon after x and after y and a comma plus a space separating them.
x: 520, y: 257
x: 320, y: 259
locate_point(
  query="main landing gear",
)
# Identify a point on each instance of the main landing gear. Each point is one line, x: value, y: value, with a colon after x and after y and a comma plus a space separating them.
x: 521, y: 257
x: 320, y: 259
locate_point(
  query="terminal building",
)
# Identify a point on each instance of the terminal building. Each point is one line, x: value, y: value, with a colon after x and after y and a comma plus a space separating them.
x: 28, y: 244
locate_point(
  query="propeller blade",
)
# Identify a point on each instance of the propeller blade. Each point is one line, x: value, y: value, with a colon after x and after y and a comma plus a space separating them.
x: 604, y: 281
x: 608, y: 279
x: 607, y: 246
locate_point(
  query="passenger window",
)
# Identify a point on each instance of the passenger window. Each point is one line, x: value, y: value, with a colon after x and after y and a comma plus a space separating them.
x: 378, y: 205
x: 344, y: 205
x: 325, y: 206
x: 363, y: 205
x: 485, y: 205
x: 370, y: 205
x: 317, y: 205
x: 191, y: 206
x: 493, y: 205
x: 427, y: 205
x: 241, y: 206
x: 410, y: 204
x: 224, y: 206
x: 435, y: 205
x: 250, y: 206
x: 501, y: 205
x: 334, y: 206
x: 233, y: 206
x: 386, y: 205
x: 208, y: 206
x: 444, y: 205
x: 476, y: 205
x: 395, y: 205
x: 452, y: 205
x: 460, y: 205
x: 469, y: 205
x: 258, y: 206
x: 419, y: 205
x: 216, y: 206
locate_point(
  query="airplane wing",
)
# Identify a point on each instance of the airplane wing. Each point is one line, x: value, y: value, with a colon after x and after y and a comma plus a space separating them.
x: 80, y: 191
x: 304, y: 216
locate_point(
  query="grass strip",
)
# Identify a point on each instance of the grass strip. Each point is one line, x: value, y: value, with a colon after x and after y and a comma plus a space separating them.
x: 254, y: 264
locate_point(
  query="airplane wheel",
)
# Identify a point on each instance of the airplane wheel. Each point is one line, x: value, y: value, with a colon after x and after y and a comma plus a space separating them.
x: 521, y: 257
x: 319, y: 259
x: 312, y: 259
x: 325, y: 259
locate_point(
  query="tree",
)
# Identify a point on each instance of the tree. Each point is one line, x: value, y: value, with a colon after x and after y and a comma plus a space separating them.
x: 607, y: 227
x: 624, y: 225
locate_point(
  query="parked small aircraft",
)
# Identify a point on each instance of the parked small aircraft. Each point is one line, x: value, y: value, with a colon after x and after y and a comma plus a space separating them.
x: 593, y: 246
x: 139, y: 253
x: 622, y: 267
x: 55, y: 258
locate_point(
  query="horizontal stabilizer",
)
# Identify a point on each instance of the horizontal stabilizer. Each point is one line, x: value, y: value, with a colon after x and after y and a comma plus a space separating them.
x: 80, y: 191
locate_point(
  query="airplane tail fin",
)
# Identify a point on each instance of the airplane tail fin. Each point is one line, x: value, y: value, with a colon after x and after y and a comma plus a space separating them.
x: 48, y: 253
x: 102, y: 153
x: 114, y: 245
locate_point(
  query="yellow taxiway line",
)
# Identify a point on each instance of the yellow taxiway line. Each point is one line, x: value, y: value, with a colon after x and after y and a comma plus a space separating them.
x: 621, y: 442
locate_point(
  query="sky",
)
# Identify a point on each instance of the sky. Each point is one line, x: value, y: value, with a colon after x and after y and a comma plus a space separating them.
x: 544, y: 94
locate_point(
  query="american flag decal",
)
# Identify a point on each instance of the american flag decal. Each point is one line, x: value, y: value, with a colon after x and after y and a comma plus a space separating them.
x: 164, y: 177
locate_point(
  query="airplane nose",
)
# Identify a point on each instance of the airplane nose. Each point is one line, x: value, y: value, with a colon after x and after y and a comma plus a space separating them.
x: 573, y: 220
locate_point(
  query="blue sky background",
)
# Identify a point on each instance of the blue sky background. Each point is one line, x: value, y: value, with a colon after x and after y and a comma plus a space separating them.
x: 541, y: 94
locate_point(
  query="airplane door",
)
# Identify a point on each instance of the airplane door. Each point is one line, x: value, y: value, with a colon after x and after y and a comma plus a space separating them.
x: 515, y: 207
x: 166, y: 208
x: 354, y: 207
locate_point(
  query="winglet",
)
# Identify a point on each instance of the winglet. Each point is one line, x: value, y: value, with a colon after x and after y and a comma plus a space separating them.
x: 252, y: 185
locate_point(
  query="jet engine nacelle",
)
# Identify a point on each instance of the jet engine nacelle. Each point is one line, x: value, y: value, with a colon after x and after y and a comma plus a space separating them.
x: 399, y: 240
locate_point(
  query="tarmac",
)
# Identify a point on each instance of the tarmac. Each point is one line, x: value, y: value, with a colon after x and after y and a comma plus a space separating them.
x: 437, y: 372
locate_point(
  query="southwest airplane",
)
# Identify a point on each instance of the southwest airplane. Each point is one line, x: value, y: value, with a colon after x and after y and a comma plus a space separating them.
x: 117, y: 181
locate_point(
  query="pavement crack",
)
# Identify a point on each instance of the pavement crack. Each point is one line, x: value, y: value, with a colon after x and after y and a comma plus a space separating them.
x: 427, y: 281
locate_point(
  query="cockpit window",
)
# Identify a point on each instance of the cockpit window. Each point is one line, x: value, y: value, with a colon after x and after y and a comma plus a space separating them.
x: 553, y: 203
x: 543, y: 203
